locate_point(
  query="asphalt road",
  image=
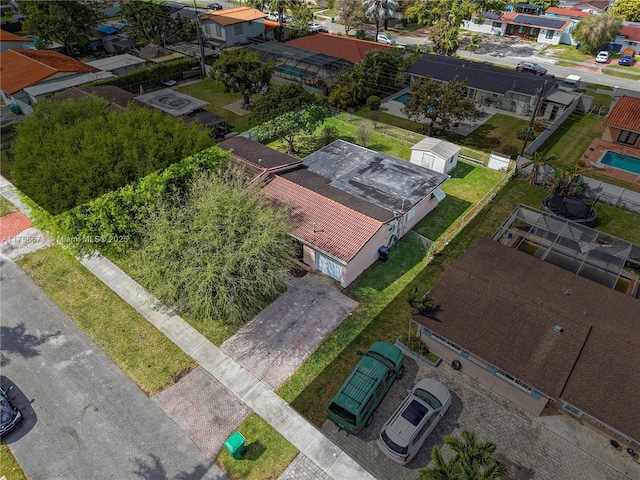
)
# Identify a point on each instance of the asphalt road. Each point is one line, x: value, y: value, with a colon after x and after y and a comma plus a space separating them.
x: 84, y: 419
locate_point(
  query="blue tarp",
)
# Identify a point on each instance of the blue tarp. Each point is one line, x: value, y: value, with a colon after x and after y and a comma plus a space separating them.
x: 107, y: 29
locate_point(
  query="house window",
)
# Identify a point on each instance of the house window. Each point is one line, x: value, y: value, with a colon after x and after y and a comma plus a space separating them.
x: 218, y: 31
x: 627, y: 137
x: 522, y: 29
x: 496, y: 24
x: 477, y: 21
x: 237, y: 29
x: 534, y: 32
x: 411, y: 213
x: 549, y: 35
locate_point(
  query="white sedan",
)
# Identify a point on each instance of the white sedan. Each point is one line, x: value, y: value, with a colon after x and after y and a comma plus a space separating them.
x: 602, y: 57
x: 314, y: 27
x: 386, y: 39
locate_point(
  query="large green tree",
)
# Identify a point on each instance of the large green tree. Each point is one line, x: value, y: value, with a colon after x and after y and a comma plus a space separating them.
x: 62, y: 21
x: 282, y: 99
x: 440, y: 103
x: 150, y: 20
x: 68, y: 153
x: 351, y: 14
x: 222, y: 253
x: 628, y: 9
x: 287, y: 126
x: 242, y: 71
x: 595, y: 31
x: 473, y: 460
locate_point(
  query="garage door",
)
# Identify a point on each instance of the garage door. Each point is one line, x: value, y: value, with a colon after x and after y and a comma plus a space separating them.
x: 330, y: 267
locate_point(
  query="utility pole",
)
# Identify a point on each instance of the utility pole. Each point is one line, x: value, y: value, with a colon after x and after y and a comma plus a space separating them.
x: 533, y: 117
x: 203, y: 70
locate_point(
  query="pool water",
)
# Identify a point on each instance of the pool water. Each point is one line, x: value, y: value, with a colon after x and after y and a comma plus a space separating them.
x: 404, y: 98
x: 621, y: 161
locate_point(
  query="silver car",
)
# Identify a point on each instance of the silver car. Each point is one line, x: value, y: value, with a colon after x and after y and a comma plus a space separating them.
x: 405, y: 432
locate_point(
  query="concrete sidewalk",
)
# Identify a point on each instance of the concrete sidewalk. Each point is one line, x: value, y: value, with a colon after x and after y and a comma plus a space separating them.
x: 311, y: 442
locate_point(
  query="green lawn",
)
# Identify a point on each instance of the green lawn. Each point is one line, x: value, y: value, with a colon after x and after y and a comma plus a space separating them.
x: 213, y: 93
x: 566, y: 52
x: 620, y: 72
x: 498, y: 133
x: 572, y: 139
x: 145, y: 354
x: 268, y: 454
x: 6, y: 207
x: 10, y: 467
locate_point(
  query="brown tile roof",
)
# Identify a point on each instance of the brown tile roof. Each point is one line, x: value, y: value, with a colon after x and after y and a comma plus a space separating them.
x: 12, y: 37
x: 625, y: 114
x: 630, y: 32
x: 321, y: 222
x: 258, y: 154
x: 23, y: 68
x: 231, y: 16
x: 321, y: 185
x: 113, y: 95
x: 567, y: 12
x: 350, y: 49
x: 502, y: 305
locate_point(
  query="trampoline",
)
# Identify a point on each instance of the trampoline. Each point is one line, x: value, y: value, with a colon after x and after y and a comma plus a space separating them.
x: 571, y: 208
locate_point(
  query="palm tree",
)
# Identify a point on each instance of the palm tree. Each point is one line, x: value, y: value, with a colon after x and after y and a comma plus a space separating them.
x: 419, y: 302
x: 377, y: 10
x: 472, y: 460
x: 539, y: 160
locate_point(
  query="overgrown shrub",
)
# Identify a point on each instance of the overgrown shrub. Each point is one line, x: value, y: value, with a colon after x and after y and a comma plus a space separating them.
x: 150, y: 75
x: 329, y: 134
x: 373, y: 102
x: 361, y: 35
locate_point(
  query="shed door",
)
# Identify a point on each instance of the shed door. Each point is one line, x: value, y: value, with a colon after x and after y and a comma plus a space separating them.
x: 330, y: 267
x: 427, y: 160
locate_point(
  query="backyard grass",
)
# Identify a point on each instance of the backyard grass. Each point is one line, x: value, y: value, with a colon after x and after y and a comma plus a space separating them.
x: 572, y: 139
x: 498, y: 133
x: 268, y: 454
x: 141, y: 351
x: 566, y: 52
x: 6, y: 207
x: 10, y: 467
x: 213, y: 93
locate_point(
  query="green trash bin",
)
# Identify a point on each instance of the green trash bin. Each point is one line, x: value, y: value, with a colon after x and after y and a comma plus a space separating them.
x: 235, y: 445
x: 333, y: 20
x: 15, y: 108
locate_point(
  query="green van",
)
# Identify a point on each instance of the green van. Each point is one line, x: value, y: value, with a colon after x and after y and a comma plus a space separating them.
x: 353, y: 406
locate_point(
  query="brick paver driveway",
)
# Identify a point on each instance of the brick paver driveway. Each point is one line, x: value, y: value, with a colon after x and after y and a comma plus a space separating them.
x: 280, y: 338
x: 530, y: 449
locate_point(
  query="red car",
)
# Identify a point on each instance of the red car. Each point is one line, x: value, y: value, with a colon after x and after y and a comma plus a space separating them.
x: 532, y: 68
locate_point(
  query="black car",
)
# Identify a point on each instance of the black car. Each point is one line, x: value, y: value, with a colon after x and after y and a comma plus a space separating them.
x: 532, y: 68
x: 215, y: 6
x: 10, y: 416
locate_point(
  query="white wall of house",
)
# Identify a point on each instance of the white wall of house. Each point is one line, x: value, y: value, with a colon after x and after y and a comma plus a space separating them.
x: 626, y: 43
x: 238, y: 33
x: 492, y: 27
x: 213, y: 30
x: 551, y: 37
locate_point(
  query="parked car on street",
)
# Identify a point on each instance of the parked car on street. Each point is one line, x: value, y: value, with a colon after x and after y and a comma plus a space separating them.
x: 215, y: 6
x: 531, y: 67
x: 417, y: 416
x: 386, y: 39
x: 626, y: 60
x: 314, y: 27
x: 602, y: 57
x: 10, y: 416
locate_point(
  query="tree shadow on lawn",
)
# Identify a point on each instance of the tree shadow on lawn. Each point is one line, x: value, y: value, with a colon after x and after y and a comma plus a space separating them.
x: 462, y: 170
x: 480, y: 138
x: 442, y: 217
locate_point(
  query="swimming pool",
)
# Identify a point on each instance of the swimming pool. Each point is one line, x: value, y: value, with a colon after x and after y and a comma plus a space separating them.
x: 404, y: 98
x: 621, y: 161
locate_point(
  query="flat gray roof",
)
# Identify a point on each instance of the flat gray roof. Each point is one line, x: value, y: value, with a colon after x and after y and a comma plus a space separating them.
x: 172, y: 102
x: 381, y: 179
x: 117, y: 61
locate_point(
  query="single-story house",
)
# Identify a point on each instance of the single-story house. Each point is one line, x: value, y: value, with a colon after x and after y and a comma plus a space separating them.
x: 572, y: 13
x: 117, y: 97
x: 347, y: 48
x: 557, y: 102
x: 27, y: 76
x: 232, y: 26
x: 347, y: 201
x: 487, y: 85
x: 545, y: 314
x: 119, y: 64
x: 542, y: 29
x: 591, y: 6
x: 622, y: 124
x: 435, y: 154
x: 628, y: 38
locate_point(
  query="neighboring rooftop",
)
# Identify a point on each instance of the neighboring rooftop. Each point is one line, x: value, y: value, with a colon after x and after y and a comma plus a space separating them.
x: 12, y: 37
x: 329, y: 226
x: 23, y: 68
x: 231, y: 16
x: 116, y: 62
x: 348, y: 48
x: 258, y: 154
x: 566, y: 12
x: 631, y: 31
x: 479, y: 75
x: 386, y: 181
x: 172, y: 102
x: 625, y: 114
x: 492, y: 305
x: 536, y: 21
x: 438, y: 146
x: 113, y: 95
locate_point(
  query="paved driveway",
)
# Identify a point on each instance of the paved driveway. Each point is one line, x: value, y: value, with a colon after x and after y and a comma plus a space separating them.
x: 530, y: 449
x: 84, y: 419
x: 279, y: 339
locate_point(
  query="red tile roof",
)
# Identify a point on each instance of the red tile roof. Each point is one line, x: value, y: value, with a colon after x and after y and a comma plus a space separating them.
x: 625, y: 114
x: 323, y: 223
x: 567, y: 12
x: 12, y: 37
x: 350, y: 49
x: 630, y: 32
x: 231, y: 16
x: 23, y: 68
